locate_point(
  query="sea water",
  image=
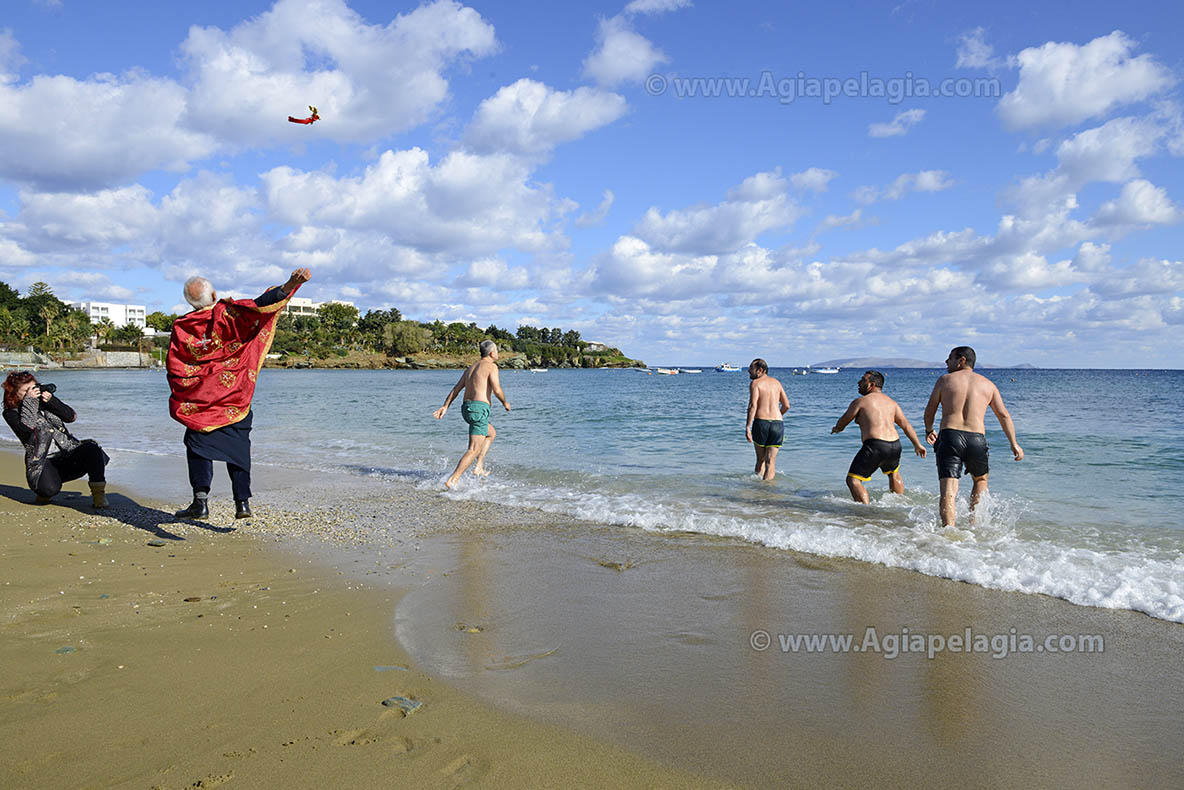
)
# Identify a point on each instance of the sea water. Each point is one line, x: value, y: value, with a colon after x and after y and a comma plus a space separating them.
x: 1092, y: 514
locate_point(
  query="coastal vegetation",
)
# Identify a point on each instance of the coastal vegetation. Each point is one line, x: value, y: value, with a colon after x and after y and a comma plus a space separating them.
x: 337, y: 336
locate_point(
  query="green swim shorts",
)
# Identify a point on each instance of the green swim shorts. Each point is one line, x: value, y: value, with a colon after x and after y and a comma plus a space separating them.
x: 476, y: 414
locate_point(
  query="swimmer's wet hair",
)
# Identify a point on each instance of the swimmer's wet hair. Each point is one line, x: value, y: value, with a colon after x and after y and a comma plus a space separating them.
x: 877, y: 377
x: 967, y: 353
x: 759, y: 364
x: 487, y: 347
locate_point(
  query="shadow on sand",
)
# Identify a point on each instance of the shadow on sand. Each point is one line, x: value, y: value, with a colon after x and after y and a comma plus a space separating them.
x: 123, y: 508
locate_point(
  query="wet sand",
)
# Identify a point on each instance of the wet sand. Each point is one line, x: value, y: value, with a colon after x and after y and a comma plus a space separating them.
x: 273, y: 677
x: 546, y: 652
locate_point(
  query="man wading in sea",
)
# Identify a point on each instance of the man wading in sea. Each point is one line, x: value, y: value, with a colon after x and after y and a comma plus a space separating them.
x: 877, y: 416
x: 478, y: 382
x: 767, y: 403
x: 964, y: 396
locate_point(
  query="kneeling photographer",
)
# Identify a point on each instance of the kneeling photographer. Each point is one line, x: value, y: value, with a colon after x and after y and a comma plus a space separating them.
x: 52, y: 455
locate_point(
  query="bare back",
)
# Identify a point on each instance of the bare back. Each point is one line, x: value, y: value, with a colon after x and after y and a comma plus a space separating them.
x: 876, y: 414
x: 965, y: 396
x: 481, y: 380
x: 768, y: 397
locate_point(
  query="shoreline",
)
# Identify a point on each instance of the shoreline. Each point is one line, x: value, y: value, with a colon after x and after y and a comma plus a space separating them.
x: 561, y: 652
x: 277, y: 673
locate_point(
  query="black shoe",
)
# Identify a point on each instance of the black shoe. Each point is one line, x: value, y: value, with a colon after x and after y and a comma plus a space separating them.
x: 199, y: 509
x: 242, y: 508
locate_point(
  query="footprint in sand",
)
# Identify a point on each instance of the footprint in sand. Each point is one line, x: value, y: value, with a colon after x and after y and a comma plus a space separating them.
x: 355, y: 737
x: 464, y: 770
x: 213, y: 780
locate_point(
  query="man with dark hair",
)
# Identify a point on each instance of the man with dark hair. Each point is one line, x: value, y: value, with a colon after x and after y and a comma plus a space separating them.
x: 964, y: 396
x: 877, y: 416
x: 767, y: 404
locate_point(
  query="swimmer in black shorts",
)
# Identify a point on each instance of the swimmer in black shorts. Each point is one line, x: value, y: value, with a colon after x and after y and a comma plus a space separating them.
x: 767, y: 403
x: 964, y: 396
x: 877, y: 416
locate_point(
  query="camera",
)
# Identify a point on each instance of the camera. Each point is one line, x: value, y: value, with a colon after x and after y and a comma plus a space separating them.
x: 50, y: 388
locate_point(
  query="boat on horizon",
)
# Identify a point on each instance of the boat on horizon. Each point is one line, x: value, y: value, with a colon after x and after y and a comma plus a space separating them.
x: 689, y: 370
x: 668, y: 371
x: 727, y: 368
x: 824, y: 370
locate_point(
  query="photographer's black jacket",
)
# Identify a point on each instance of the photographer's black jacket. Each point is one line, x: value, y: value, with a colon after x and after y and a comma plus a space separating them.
x: 24, y: 433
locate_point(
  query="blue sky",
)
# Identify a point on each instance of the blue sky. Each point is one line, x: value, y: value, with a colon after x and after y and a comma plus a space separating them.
x: 546, y: 163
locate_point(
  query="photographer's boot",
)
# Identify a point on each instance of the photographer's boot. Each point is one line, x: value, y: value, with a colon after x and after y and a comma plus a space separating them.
x: 199, y: 509
x: 242, y: 508
x: 42, y: 500
x: 98, y: 494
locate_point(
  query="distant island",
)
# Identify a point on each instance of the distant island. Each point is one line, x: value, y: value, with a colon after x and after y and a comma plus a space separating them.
x: 896, y: 362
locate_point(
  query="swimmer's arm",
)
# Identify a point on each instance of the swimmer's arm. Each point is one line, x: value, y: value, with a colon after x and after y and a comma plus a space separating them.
x: 784, y: 401
x: 752, y: 399
x: 1006, y: 424
x: 903, y: 422
x: 931, y: 411
x: 495, y: 384
x: 440, y: 412
x: 847, y: 417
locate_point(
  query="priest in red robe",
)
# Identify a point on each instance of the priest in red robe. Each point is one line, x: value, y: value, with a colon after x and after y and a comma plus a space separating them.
x: 215, y: 355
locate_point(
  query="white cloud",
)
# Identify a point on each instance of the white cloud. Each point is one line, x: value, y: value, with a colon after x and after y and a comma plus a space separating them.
x: 655, y: 6
x: 10, y: 53
x: 1061, y: 84
x: 975, y: 53
x: 1139, y: 203
x: 621, y: 55
x: 528, y: 117
x: 831, y: 221
x: 587, y: 220
x: 368, y: 81
x: 757, y: 205
x: 59, y: 133
x: 816, y: 179
x: 898, y: 126
x: 923, y: 181
x: 493, y: 273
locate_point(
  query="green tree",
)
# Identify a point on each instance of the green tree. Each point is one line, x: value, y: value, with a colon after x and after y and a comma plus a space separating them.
x: 9, y: 297
x: 103, y: 329
x: 161, y: 322
x: 405, y: 337
x: 338, y: 319
x: 129, y: 334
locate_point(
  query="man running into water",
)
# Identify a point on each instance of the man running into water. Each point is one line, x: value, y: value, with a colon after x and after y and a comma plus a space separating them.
x: 964, y: 397
x: 477, y: 382
x: 877, y: 416
x: 767, y: 403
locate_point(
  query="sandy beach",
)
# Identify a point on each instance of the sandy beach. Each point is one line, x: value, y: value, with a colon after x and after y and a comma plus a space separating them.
x: 541, y: 651
x: 223, y: 658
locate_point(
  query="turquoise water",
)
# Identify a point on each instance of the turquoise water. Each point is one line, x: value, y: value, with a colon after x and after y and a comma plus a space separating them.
x: 1092, y: 514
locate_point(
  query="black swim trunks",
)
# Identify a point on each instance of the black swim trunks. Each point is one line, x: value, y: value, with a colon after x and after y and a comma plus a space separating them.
x: 957, y: 448
x: 767, y: 433
x: 875, y: 454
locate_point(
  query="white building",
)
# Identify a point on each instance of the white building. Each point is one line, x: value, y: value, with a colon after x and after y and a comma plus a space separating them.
x: 119, y: 314
x: 299, y: 305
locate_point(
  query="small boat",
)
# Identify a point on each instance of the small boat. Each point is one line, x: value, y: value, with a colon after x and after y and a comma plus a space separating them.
x: 668, y: 371
x: 727, y: 368
x: 824, y: 370
x: 797, y: 372
x: 689, y: 370
x: 538, y: 370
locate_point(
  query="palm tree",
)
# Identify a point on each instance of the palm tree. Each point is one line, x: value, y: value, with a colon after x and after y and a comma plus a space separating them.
x: 103, y: 329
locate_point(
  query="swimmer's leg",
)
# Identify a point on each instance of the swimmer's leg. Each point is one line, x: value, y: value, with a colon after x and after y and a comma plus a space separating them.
x: 770, y: 462
x: 896, y: 483
x: 759, y: 469
x: 480, y: 469
x: 858, y: 492
x: 949, y: 501
x: 475, y: 445
x: 976, y: 493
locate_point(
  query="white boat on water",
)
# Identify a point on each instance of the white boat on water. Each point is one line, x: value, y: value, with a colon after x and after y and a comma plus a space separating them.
x: 727, y: 368
x: 538, y: 370
x: 668, y: 371
x: 824, y: 370
x: 689, y: 370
